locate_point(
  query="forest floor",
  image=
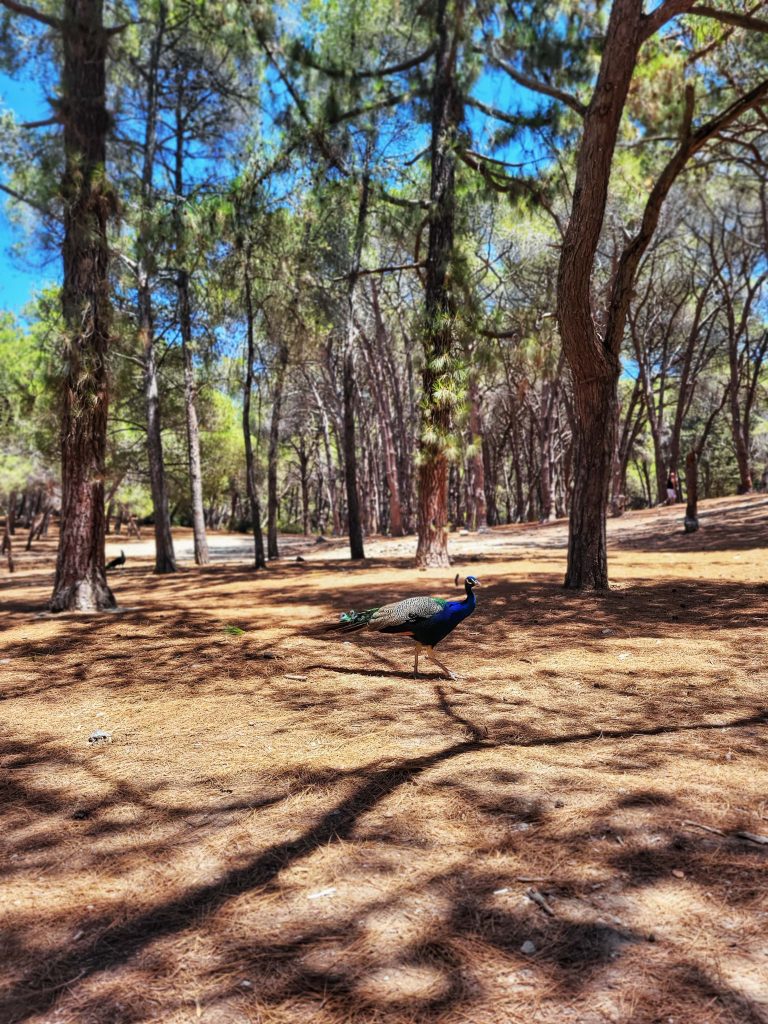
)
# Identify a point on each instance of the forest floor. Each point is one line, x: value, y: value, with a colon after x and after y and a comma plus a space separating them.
x: 286, y: 830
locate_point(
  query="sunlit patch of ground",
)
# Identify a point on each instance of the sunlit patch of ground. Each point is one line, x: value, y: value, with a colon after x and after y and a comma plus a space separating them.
x: 523, y: 844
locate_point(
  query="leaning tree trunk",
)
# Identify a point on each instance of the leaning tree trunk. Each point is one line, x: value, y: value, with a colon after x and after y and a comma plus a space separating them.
x: 81, y: 582
x: 594, y: 360
x: 259, y: 561
x: 439, y: 378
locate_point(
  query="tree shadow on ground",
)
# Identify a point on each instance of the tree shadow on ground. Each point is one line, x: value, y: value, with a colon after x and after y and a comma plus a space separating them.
x: 353, y: 845
x: 335, y: 955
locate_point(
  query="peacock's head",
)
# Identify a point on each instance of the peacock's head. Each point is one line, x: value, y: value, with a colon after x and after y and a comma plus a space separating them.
x: 472, y: 581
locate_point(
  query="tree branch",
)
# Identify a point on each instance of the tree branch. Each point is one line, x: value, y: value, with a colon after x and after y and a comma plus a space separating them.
x: 536, y: 85
x: 406, y: 204
x: 690, y: 144
x: 24, y: 199
x: 395, y: 69
x: 32, y: 12
x: 53, y: 119
x: 381, y: 270
x: 664, y: 12
x: 730, y: 18
x: 499, y: 115
x: 512, y: 332
x: 304, y: 56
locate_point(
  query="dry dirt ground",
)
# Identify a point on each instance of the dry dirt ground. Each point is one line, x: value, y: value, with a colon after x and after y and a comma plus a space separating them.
x: 293, y: 831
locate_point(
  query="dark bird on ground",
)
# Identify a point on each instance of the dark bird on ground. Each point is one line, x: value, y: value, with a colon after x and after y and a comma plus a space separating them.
x: 116, y: 562
x: 426, y: 620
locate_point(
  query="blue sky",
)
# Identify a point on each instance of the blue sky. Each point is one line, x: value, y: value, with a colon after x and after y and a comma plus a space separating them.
x: 22, y: 275
x: 19, y: 279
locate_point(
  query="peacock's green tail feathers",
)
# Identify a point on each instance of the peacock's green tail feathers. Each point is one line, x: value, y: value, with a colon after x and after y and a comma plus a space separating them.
x: 353, y: 618
x: 351, y: 621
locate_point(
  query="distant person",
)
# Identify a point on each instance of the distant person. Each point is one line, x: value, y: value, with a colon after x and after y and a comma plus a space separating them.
x: 672, y: 487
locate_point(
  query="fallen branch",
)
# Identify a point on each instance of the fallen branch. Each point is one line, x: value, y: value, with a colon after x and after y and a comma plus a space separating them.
x: 706, y: 828
x: 538, y: 899
x: 752, y: 837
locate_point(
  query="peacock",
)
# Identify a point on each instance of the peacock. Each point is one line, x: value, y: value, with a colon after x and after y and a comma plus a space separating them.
x: 116, y: 562
x: 426, y: 620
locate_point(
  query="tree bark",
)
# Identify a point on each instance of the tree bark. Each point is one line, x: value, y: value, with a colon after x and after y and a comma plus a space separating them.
x: 11, y: 520
x: 354, y: 524
x: 356, y: 548
x: 6, y: 548
x: 202, y: 556
x: 165, y: 559
x: 440, y: 308
x: 478, y: 512
x: 273, y: 550
x: 259, y: 561
x: 594, y: 361
x: 81, y: 582
x: 692, y: 491
x: 385, y: 417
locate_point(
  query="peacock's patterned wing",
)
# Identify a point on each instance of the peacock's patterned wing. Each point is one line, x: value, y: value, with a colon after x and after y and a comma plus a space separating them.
x: 413, y: 609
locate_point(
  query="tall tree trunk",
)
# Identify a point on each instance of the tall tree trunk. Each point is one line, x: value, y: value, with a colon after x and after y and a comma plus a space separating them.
x: 6, y: 548
x: 692, y: 491
x: 354, y: 524
x: 385, y: 416
x: 440, y: 308
x: 185, y: 328
x: 165, y: 559
x: 491, y: 477
x: 594, y: 358
x: 478, y: 509
x: 356, y: 549
x: 202, y: 556
x: 304, y: 484
x: 81, y: 582
x: 273, y: 550
x: 11, y: 519
x: 740, y: 446
x: 259, y: 561
x: 594, y: 363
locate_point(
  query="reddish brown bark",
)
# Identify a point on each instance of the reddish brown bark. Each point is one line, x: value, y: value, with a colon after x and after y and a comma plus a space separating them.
x: 594, y: 356
x: 436, y: 424
x: 81, y: 582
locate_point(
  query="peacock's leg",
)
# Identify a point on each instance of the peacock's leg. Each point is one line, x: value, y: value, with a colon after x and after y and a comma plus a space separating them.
x: 416, y: 662
x: 432, y: 657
